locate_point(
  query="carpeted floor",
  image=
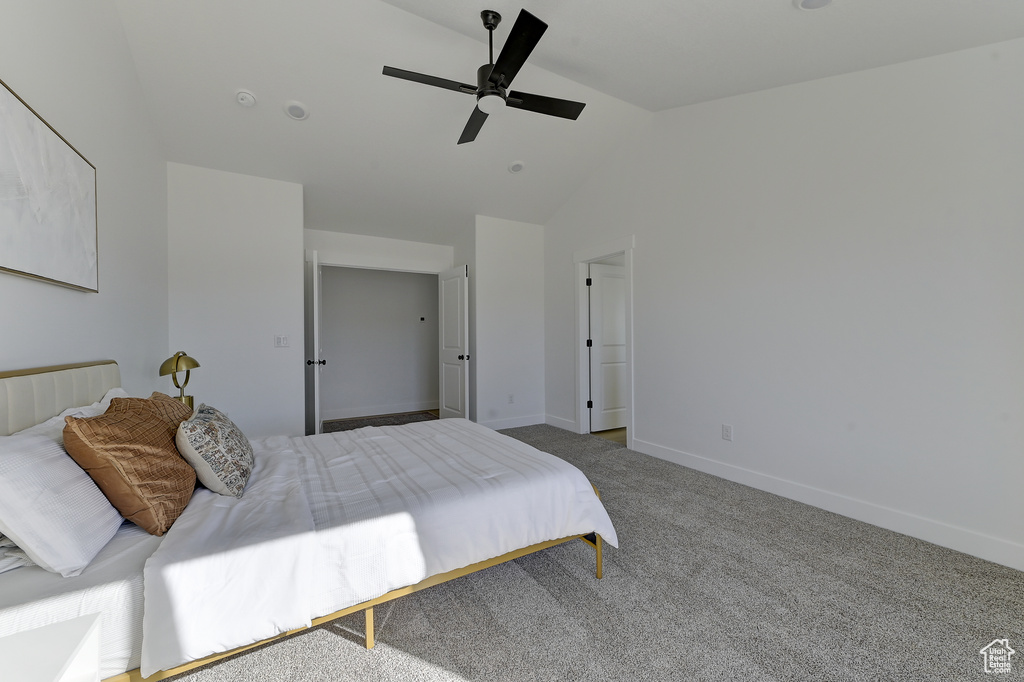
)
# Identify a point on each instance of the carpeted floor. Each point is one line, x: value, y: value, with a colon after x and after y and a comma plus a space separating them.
x: 332, y: 425
x: 713, y: 581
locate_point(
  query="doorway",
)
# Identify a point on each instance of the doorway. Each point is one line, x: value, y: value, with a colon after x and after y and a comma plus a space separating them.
x: 379, y: 335
x: 439, y: 316
x: 604, y: 341
x: 607, y: 347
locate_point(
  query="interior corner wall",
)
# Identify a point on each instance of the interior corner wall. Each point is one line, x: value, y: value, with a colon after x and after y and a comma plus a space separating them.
x: 236, y: 282
x: 74, y: 68
x: 832, y: 268
x: 508, y: 308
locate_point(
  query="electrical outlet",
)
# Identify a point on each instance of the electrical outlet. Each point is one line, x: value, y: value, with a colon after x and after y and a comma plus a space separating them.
x: 726, y: 431
x: 511, y: 398
x: 280, y: 341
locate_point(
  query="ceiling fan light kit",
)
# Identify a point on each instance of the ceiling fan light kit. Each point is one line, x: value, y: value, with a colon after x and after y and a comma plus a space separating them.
x: 490, y: 103
x: 495, y: 77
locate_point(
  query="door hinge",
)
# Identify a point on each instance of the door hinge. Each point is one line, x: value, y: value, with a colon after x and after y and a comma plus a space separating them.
x: 590, y: 343
x: 590, y: 282
x: 590, y: 404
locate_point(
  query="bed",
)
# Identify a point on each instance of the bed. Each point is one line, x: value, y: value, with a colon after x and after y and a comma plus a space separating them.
x: 337, y: 523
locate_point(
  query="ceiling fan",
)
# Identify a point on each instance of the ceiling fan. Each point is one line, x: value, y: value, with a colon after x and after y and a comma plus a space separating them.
x: 494, y: 78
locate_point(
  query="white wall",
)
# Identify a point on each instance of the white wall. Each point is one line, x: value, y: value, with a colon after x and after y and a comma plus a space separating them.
x: 236, y: 282
x: 361, y: 251
x: 381, y: 358
x: 507, y: 355
x: 70, y: 61
x: 834, y: 269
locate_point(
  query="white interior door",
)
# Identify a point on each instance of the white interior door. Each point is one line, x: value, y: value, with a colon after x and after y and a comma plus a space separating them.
x: 453, y: 301
x: 608, y: 380
x: 313, y: 348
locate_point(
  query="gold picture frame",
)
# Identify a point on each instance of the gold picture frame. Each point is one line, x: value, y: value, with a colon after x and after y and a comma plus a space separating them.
x: 48, y: 215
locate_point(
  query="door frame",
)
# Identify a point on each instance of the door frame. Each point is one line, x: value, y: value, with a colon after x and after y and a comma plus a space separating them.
x: 312, y: 314
x: 331, y: 258
x: 581, y: 261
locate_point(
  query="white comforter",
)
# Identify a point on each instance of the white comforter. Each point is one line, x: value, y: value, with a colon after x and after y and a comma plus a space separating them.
x: 334, y: 520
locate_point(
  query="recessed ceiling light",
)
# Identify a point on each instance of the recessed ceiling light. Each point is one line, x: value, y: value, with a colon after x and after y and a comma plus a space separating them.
x: 245, y: 98
x: 811, y: 4
x: 296, y: 110
x: 516, y: 166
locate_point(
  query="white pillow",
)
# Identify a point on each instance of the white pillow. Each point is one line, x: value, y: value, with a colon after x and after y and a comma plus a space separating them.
x: 50, y: 507
x: 11, y: 557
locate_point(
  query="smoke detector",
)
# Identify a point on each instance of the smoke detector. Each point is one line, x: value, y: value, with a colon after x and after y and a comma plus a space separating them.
x: 245, y: 98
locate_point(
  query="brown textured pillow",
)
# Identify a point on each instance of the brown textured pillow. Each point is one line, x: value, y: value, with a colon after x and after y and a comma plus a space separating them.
x: 171, y: 409
x: 129, y: 452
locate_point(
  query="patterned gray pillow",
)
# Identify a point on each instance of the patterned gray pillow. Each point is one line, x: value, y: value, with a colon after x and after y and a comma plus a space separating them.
x: 218, y: 451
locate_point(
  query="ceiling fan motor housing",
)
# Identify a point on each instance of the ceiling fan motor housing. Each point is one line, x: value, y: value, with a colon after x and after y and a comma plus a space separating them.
x: 484, y: 86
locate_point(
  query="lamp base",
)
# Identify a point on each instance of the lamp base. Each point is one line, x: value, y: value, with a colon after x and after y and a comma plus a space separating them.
x: 187, y: 399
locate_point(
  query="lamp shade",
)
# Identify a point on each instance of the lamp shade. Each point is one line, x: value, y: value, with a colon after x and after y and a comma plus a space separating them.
x: 179, y: 362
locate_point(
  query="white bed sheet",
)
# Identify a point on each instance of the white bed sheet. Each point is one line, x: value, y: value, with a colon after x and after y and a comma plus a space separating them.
x: 395, y: 505
x: 390, y: 506
x: 31, y: 597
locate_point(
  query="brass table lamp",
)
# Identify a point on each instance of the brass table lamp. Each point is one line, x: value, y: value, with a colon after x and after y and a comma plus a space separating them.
x: 179, y: 362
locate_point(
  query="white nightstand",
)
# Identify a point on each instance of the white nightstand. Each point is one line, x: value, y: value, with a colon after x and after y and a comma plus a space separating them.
x: 62, y: 652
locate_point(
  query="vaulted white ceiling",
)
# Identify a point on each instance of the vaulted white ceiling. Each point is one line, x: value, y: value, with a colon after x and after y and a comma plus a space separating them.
x: 378, y: 155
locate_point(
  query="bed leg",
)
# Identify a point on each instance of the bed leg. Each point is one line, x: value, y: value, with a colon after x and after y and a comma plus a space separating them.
x: 369, y: 628
x: 600, y: 557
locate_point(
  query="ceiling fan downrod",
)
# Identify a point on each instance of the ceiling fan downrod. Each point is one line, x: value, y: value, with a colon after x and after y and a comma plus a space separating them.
x: 491, y: 20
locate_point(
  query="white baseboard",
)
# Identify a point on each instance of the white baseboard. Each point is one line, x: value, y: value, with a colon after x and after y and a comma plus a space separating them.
x: 374, y: 410
x: 567, y: 424
x: 961, y: 539
x: 512, y: 422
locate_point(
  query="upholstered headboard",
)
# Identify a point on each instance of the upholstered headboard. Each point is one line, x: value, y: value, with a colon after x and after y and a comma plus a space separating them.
x: 31, y: 396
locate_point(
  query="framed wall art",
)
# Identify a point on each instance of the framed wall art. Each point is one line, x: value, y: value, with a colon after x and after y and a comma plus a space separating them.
x: 47, y: 201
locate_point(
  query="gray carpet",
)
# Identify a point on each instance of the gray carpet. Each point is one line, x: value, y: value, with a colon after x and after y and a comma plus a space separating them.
x: 713, y: 581
x: 332, y: 425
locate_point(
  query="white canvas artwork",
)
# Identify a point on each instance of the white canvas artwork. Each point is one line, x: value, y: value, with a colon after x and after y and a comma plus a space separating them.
x: 47, y: 201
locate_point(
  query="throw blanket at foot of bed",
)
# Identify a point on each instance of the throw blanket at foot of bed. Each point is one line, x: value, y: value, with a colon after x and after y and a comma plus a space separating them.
x: 338, y: 519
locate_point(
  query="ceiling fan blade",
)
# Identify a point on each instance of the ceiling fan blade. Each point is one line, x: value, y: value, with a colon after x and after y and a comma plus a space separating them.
x: 476, y: 122
x: 523, y: 37
x: 551, y: 106
x: 429, y: 80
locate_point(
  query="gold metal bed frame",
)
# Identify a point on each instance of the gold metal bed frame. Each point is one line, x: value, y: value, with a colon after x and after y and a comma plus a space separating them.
x: 592, y: 539
x: 50, y: 395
